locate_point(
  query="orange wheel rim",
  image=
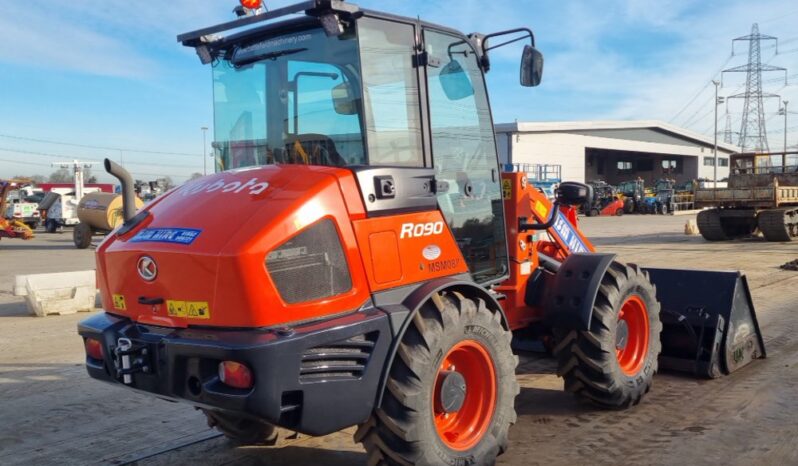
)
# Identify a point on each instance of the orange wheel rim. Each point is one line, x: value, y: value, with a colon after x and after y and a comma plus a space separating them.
x: 463, y: 428
x: 631, y: 351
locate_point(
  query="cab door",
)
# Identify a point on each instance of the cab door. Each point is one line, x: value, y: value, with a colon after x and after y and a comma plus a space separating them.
x: 464, y: 154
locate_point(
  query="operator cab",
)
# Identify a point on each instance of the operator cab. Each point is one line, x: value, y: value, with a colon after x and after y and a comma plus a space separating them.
x: 345, y: 87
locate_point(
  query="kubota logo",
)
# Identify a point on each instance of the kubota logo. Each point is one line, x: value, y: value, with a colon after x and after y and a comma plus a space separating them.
x: 253, y: 186
x: 417, y: 230
x: 147, y: 268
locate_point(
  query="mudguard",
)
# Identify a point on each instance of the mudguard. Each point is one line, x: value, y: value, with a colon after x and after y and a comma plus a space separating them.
x: 571, y: 292
x: 709, y: 326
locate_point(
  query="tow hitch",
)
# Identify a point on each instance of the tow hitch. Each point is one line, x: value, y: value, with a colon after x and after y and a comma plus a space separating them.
x: 129, y: 359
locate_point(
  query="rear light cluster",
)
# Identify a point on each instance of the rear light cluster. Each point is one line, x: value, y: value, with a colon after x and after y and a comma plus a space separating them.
x: 94, y: 348
x: 234, y: 374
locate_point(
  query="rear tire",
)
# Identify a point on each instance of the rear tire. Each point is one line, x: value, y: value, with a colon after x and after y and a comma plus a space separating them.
x: 242, y: 430
x: 411, y: 427
x: 81, y: 235
x: 619, y: 212
x: 613, y: 364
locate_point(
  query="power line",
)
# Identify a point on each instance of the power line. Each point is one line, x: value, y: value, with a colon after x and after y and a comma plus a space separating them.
x: 62, y: 156
x: 700, y: 91
x: 88, y: 146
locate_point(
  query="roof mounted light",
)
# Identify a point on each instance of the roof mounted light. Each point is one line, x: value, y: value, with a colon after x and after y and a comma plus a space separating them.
x: 248, y: 7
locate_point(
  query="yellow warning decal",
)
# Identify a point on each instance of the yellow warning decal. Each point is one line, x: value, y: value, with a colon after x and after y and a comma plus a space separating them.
x: 119, y: 302
x: 188, y: 309
x: 198, y: 310
x: 507, y: 188
x: 176, y: 308
x: 542, y: 210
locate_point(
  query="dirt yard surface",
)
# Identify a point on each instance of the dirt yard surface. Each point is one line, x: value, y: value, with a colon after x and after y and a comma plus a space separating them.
x: 52, y: 413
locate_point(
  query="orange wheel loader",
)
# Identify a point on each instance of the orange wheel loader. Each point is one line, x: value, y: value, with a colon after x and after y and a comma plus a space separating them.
x: 359, y: 258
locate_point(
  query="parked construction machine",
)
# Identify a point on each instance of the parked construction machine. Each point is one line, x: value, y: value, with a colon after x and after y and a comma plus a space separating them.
x: 762, y: 194
x: 633, y: 194
x: 603, y: 200
x: 12, y: 227
x: 355, y: 262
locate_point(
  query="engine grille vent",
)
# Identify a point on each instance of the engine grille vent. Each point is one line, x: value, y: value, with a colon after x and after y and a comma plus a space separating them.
x: 343, y: 360
x: 310, y: 266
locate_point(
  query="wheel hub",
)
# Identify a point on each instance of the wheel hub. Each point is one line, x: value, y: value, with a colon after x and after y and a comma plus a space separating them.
x: 452, y: 391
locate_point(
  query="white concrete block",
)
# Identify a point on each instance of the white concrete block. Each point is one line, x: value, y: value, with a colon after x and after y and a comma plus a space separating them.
x: 58, y: 293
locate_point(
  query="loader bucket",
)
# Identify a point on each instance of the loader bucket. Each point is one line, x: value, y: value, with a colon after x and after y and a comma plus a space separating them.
x: 709, y: 326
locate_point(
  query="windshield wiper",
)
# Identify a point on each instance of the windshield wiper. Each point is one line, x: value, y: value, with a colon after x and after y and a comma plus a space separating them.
x: 248, y: 59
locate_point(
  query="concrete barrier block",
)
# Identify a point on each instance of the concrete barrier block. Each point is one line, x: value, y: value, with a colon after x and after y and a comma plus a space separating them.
x: 58, y: 293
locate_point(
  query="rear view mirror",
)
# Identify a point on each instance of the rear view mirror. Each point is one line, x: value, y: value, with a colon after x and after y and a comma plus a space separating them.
x: 344, y: 100
x: 572, y: 193
x: 531, y: 67
x: 455, y: 82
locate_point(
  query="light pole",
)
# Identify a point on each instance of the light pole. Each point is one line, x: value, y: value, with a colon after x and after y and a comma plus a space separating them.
x: 204, y: 151
x: 783, y: 111
x: 715, y: 150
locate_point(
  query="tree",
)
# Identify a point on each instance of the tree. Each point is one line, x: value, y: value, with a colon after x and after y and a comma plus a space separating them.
x: 194, y: 176
x: 35, y: 179
x: 88, y: 177
x: 62, y: 175
x: 166, y: 182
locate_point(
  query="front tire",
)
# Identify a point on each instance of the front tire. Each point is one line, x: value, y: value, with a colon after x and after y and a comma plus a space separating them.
x: 613, y: 364
x: 450, y: 394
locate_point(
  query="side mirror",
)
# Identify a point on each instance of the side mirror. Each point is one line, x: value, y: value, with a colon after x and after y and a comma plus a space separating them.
x: 531, y: 67
x: 571, y: 193
x: 455, y: 82
x: 343, y: 99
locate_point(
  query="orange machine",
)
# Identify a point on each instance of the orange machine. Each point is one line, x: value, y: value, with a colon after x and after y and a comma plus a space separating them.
x: 359, y: 259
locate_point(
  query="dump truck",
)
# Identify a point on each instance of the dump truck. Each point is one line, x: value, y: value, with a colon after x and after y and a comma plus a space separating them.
x: 761, y: 195
x: 359, y: 259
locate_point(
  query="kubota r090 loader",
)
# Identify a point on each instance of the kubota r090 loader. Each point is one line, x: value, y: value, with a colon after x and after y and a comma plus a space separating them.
x: 359, y: 259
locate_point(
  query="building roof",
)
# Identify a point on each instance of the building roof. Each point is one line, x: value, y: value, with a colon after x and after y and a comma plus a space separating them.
x: 582, y: 127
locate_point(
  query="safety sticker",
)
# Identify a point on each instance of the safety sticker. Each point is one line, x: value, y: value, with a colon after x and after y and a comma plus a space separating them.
x: 119, y: 302
x: 167, y: 235
x: 507, y: 188
x: 188, y: 309
x: 542, y: 210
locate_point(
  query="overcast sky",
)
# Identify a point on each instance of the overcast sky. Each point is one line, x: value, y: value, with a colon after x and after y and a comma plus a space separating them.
x: 110, y: 73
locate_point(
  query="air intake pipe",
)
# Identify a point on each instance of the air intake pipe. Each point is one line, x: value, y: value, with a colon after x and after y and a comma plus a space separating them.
x: 128, y: 190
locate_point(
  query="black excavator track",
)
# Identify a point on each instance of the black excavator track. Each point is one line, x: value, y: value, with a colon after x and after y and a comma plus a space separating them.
x: 779, y: 224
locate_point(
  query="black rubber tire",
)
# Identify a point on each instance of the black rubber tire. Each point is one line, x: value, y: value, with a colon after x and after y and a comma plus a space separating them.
x: 619, y: 212
x: 710, y: 226
x: 662, y: 209
x: 587, y: 361
x: 775, y: 224
x: 244, y: 431
x: 402, y: 430
x: 50, y: 226
x: 81, y: 235
x: 594, y: 213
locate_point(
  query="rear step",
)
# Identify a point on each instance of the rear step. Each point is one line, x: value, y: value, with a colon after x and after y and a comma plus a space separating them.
x: 709, y: 324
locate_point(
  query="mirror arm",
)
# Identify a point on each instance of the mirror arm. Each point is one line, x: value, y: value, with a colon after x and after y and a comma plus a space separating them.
x: 485, y: 61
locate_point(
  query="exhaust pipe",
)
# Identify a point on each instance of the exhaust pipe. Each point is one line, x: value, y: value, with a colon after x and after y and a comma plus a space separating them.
x: 128, y: 190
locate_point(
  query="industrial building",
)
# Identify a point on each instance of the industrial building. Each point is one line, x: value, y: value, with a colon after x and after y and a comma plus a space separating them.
x: 614, y: 151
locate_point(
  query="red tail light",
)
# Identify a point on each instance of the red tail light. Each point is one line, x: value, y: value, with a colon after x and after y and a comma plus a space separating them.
x: 234, y: 374
x: 94, y: 348
x: 251, y: 4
